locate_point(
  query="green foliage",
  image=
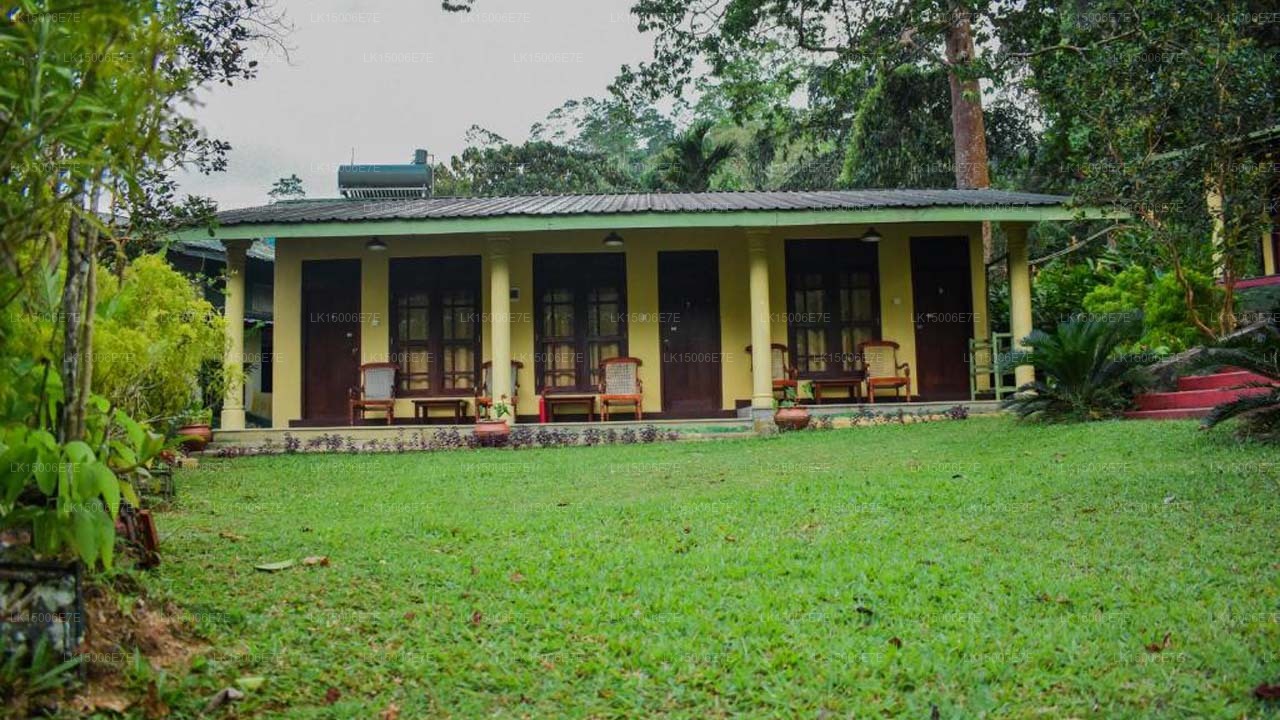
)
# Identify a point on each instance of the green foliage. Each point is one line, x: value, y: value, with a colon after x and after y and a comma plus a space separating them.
x: 500, y: 168
x: 287, y: 188
x: 691, y: 160
x: 1059, y: 290
x: 1087, y: 375
x: 1167, y: 324
x: 153, y: 331
x: 67, y: 493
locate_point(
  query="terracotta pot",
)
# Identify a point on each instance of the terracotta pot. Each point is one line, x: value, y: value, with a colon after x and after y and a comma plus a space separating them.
x: 492, y: 433
x: 196, y: 436
x: 791, y: 418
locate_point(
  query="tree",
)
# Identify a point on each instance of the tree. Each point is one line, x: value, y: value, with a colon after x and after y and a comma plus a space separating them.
x: 689, y: 162
x: 874, y: 35
x: 1154, y: 108
x: 493, y: 166
x: 287, y: 188
x: 92, y: 127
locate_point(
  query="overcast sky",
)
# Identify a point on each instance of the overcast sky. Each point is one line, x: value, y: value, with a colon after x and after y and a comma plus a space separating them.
x: 387, y: 76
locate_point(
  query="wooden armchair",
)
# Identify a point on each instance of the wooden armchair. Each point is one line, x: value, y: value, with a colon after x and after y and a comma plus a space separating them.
x: 377, y: 391
x: 484, y: 396
x: 880, y: 363
x: 783, y: 373
x: 620, y: 385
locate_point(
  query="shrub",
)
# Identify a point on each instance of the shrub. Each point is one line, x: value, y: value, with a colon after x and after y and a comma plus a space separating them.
x: 1087, y: 376
x: 152, y: 333
x: 67, y: 493
x: 1161, y: 300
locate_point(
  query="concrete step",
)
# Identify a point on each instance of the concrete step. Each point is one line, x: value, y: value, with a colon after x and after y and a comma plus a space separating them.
x: 1168, y: 414
x: 1194, y: 398
x: 1219, y: 380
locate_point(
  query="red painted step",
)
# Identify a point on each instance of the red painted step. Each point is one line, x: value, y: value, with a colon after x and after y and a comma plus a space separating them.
x: 1197, y: 395
x: 1194, y: 398
x: 1219, y: 380
x: 1168, y: 414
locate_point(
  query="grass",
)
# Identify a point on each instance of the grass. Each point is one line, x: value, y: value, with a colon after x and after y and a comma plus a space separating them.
x: 981, y: 567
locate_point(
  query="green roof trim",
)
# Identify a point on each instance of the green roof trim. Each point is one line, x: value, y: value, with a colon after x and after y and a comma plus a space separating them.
x: 511, y: 224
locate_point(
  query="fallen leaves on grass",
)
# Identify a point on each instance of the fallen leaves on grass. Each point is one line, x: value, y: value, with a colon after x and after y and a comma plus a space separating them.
x: 331, y: 695
x: 321, y: 560
x: 1266, y: 691
x: 517, y: 577
x: 251, y: 682
x: 223, y: 697
x: 1160, y: 646
x: 895, y: 641
x: 274, y: 566
x: 230, y: 536
x: 391, y: 713
x: 477, y: 617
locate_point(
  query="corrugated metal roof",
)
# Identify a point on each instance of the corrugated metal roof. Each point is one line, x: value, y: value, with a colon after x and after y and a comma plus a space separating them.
x: 352, y: 210
x: 208, y: 247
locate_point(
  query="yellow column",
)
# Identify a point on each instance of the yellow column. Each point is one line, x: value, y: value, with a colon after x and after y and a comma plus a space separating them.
x: 233, y: 352
x: 1019, y: 296
x: 500, y: 323
x: 761, y: 376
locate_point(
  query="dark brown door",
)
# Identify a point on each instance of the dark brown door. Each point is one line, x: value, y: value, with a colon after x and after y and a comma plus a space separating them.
x: 330, y: 338
x: 943, y: 316
x: 689, y: 318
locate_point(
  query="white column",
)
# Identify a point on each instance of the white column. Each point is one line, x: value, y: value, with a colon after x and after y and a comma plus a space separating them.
x: 1019, y: 296
x: 500, y: 323
x: 233, y: 319
x: 761, y: 336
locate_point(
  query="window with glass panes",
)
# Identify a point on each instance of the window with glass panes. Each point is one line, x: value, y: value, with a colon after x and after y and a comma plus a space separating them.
x: 833, y: 303
x: 435, y: 324
x: 580, y: 317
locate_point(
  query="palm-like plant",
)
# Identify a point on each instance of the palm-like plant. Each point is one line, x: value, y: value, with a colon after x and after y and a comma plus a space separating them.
x: 689, y: 161
x: 1258, y: 353
x: 1087, y: 376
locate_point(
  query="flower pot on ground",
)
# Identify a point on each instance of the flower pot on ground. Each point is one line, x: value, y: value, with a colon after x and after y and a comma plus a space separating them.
x: 789, y: 415
x: 195, y: 429
x: 195, y: 436
x: 493, y: 431
x: 791, y: 418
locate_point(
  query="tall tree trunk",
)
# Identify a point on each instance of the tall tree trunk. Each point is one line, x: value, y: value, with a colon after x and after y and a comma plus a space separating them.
x: 90, y: 300
x: 73, y: 295
x: 967, y: 126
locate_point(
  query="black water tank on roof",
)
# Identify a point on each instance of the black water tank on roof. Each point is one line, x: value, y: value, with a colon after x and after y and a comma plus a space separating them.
x: 387, y: 181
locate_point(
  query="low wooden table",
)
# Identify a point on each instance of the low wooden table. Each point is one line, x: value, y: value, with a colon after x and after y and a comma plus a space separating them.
x: 553, y: 399
x: 422, y: 407
x: 851, y: 383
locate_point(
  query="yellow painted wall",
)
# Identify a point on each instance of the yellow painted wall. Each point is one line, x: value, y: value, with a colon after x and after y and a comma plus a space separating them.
x: 641, y: 249
x: 1269, y: 259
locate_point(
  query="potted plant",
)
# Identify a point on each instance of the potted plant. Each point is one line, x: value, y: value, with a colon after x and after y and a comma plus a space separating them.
x: 493, y: 431
x: 790, y: 415
x: 195, y: 429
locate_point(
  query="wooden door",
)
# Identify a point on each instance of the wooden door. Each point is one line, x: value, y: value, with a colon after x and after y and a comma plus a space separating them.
x: 943, y: 316
x: 330, y: 338
x: 689, y: 318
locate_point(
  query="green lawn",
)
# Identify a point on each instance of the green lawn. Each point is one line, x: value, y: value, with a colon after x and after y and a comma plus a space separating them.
x: 981, y: 567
